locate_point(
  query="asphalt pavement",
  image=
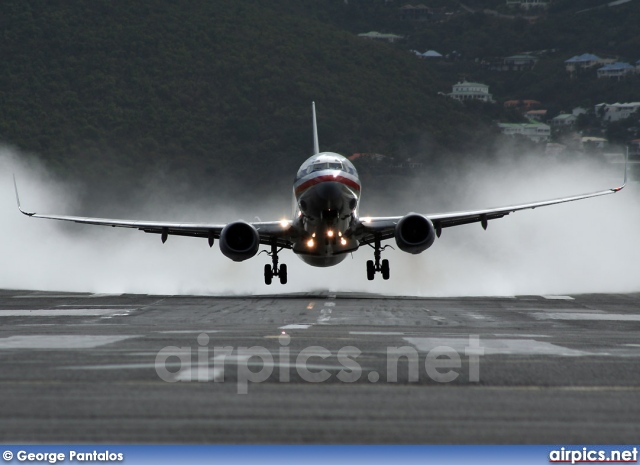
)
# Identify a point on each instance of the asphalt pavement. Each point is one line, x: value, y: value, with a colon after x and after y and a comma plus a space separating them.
x: 318, y: 368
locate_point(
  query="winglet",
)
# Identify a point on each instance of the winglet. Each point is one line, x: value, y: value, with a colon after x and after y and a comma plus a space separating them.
x: 626, y: 170
x: 316, y: 144
x: 15, y: 185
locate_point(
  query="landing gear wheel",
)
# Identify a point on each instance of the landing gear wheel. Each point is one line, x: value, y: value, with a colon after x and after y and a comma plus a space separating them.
x: 268, y: 274
x: 274, y: 270
x: 384, y: 269
x: 371, y: 270
x: 373, y: 266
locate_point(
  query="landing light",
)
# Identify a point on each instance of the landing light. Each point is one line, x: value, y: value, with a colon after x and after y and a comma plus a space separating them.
x: 284, y: 223
x: 310, y: 243
x: 366, y: 220
x: 330, y: 233
x: 343, y: 241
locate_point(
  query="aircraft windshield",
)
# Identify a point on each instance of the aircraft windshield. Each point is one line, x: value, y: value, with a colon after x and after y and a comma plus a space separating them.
x: 327, y: 166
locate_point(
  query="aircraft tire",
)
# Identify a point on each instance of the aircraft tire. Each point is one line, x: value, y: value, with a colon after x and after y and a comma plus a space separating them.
x: 268, y: 275
x: 371, y: 270
x: 385, y: 269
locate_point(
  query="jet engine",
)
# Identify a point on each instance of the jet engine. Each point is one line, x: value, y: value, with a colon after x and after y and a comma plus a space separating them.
x: 414, y: 233
x: 239, y: 241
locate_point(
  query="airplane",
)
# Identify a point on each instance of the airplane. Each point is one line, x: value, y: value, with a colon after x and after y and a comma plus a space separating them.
x: 325, y: 227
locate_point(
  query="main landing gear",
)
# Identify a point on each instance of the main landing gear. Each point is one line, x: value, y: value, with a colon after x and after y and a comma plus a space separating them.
x: 378, y: 265
x: 273, y: 270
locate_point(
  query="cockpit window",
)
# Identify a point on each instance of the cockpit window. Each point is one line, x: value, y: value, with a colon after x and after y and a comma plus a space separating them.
x: 327, y: 166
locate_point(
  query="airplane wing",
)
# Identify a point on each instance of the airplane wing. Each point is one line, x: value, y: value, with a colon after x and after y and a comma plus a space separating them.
x: 268, y: 231
x: 384, y: 227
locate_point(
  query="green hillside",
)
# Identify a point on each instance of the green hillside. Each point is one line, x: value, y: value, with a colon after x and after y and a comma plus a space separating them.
x: 203, y: 93
x: 207, y: 91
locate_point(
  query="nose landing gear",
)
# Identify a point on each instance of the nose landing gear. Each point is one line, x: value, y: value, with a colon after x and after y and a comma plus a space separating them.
x: 378, y: 265
x: 274, y: 270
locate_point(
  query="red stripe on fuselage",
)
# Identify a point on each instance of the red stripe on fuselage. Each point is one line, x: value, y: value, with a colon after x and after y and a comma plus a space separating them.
x: 327, y: 178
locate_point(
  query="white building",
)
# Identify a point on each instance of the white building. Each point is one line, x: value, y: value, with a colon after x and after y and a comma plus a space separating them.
x: 464, y: 91
x: 616, y: 111
x: 537, y: 132
x: 564, y: 120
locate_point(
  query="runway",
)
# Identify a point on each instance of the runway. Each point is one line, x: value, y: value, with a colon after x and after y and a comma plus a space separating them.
x: 320, y: 368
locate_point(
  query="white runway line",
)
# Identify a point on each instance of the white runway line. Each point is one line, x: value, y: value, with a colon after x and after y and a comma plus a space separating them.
x: 376, y: 333
x: 586, y: 316
x: 58, y: 342
x: 494, y: 346
x: 190, y: 331
x: 295, y: 326
x: 67, y: 312
x: 557, y: 297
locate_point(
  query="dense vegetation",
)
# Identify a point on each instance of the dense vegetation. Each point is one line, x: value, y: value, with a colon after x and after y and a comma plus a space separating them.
x: 221, y: 89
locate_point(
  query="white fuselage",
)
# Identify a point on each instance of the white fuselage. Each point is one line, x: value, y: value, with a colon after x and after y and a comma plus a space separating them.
x: 326, y: 194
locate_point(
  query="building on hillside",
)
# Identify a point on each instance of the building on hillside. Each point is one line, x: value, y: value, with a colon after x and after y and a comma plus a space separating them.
x: 612, y: 112
x: 616, y: 70
x: 373, y: 35
x: 593, y: 143
x: 464, y: 91
x: 429, y: 54
x: 537, y: 132
x: 520, y: 62
x: 536, y: 115
x: 585, y: 61
x: 563, y: 120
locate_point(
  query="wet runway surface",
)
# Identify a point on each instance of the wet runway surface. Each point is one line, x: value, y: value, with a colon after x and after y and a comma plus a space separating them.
x: 319, y: 368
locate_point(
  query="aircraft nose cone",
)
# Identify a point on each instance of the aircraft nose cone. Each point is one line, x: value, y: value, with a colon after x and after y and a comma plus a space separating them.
x: 330, y: 195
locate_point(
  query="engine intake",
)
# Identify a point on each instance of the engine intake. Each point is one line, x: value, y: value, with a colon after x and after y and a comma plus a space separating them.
x: 239, y: 241
x: 415, y: 233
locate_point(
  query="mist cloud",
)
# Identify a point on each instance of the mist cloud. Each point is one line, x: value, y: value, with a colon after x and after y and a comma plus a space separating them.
x: 582, y: 247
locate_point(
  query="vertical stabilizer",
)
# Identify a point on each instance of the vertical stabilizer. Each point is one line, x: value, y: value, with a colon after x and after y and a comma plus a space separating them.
x: 316, y: 144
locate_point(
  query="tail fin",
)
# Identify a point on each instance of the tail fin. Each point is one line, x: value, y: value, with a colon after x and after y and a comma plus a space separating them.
x: 316, y: 144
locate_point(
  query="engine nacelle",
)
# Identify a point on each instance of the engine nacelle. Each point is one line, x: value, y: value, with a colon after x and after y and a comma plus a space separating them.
x: 239, y: 241
x: 415, y: 233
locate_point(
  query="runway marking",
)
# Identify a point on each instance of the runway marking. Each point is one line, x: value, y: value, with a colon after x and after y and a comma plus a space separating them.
x: 586, y: 316
x: 495, y: 346
x: 476, y: 317
x: 519, y: 335
x: 325, y: 312
x: 190, y: 331
x: 376, y: 333
x: 197, y: 374
x: 557, y: 297
x: 55, y: 342
x: 96, y: 305
x: 64, y: 312
x: 51, y: 296
x: 295, y: 326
